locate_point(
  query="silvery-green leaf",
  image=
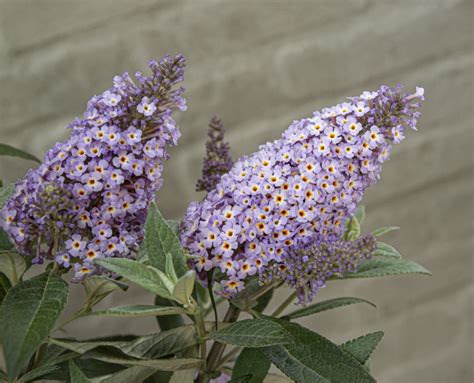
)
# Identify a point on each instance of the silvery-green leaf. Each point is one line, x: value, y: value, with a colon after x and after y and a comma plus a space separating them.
x: 5, y: 285
x: 383, y: 266
x: 251, y: 361
x: 139, y: 311
x: 360, y: 214
x: 169, y: 268
x: 325, y: 305
x: 138, y: 273
x: 171, y: 364
x: 37, y: 373
x: 7, y: 150
x: 184, y: 287
x: 161, y: 239
x: 353, y: 229
x: 259, y: 332
x: 384, y: 230
x: 170, y: 321
x: 313, y: 358
x: 362, y: 347
x: 13, y: 265
x: 75, y: 374
x: 174, y: 225
x: 164, y: 278
x: 386, y: 250
x: 242, y: 379
x: 5, y: 192
x: 29, y: 313
x: 5, y: 244
x: 151, y: 346
x: 183, y: 376
x: 131, y: 374
x: 97, y: 287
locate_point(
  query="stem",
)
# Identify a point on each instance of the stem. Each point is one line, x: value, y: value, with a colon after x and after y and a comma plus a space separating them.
x: 284, y: 305
x: 75, y: 316
x: 229, y: 356
x: 217, y: 349
x: 201, y: 330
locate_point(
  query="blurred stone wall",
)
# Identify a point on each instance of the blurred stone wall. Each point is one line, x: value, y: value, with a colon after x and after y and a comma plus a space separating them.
x: 261, y: 64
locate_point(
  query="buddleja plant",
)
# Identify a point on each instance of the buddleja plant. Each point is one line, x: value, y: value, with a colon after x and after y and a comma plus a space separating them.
x: 287, y: 215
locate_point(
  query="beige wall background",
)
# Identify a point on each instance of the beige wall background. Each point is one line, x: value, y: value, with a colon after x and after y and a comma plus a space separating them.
x: 261, y: 64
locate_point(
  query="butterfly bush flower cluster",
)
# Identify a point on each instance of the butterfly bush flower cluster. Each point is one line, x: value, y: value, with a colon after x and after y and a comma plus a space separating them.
x: 218, y: 160
x: 307, y: 267
x: 89, y: 197
x: 297, y: 190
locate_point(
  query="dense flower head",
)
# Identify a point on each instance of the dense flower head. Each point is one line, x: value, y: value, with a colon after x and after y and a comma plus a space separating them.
x: 307, y: 267
x: 89, y: 197
x: 218, y: 160
x: 297, y: 189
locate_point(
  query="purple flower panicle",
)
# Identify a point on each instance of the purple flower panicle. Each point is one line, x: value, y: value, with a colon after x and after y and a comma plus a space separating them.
x: 307, y: 267
x: 218, y: 160
x: 296, y: 190
x: 89, y: 197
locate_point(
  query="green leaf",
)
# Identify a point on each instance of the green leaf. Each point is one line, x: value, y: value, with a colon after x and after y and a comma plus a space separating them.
x: 131, y: 374
x: 149, y: 346
x: 361, y: 348
x: 384, y: 230
x: 353, y: 229
x: 184, y: 287
x: 174, y: 225
x: 170, y: 321
x: 37, y: 373
x: 325, y: 305
x: 167, y: 282
x: 75, y: 374
x: 164, y: 343
x: 5, y: 285
x: 138, y: 273
x: 183, y: 376
x: 251, y: 361
x: 360, y: 214
x: 242, y: 379
x: 5, y: 193
x: 169, y: 268
x: 259, y: 332
x: 7, y: 150
x: 28, y: 314
x: 138, y: 311
x: 160, y: 239
x: 386, y: 250
x: 172, y: 364
x: 5, y: 244
x: 313, y: 358
x: 383, y: 266
x: 12, y: 265
x: 98, y: 287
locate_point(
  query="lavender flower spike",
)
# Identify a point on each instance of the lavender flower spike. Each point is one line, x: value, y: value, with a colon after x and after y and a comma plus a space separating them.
x: 297, y: 190
x: 218, y: 160
x: 89, y: 197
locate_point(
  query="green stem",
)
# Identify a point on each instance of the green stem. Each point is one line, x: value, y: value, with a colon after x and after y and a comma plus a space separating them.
x: 229, y: 356
x: 217, y: 349
x: 75, y: 316
x: 201, y: 330
x: 284, y: 305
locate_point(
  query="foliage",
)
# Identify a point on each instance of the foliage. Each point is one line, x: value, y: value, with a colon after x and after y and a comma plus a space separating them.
x: 185, y: 295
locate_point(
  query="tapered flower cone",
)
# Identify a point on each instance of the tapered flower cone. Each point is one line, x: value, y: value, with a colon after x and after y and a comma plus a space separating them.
x: 89, y: 197
x: 297, y: 191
